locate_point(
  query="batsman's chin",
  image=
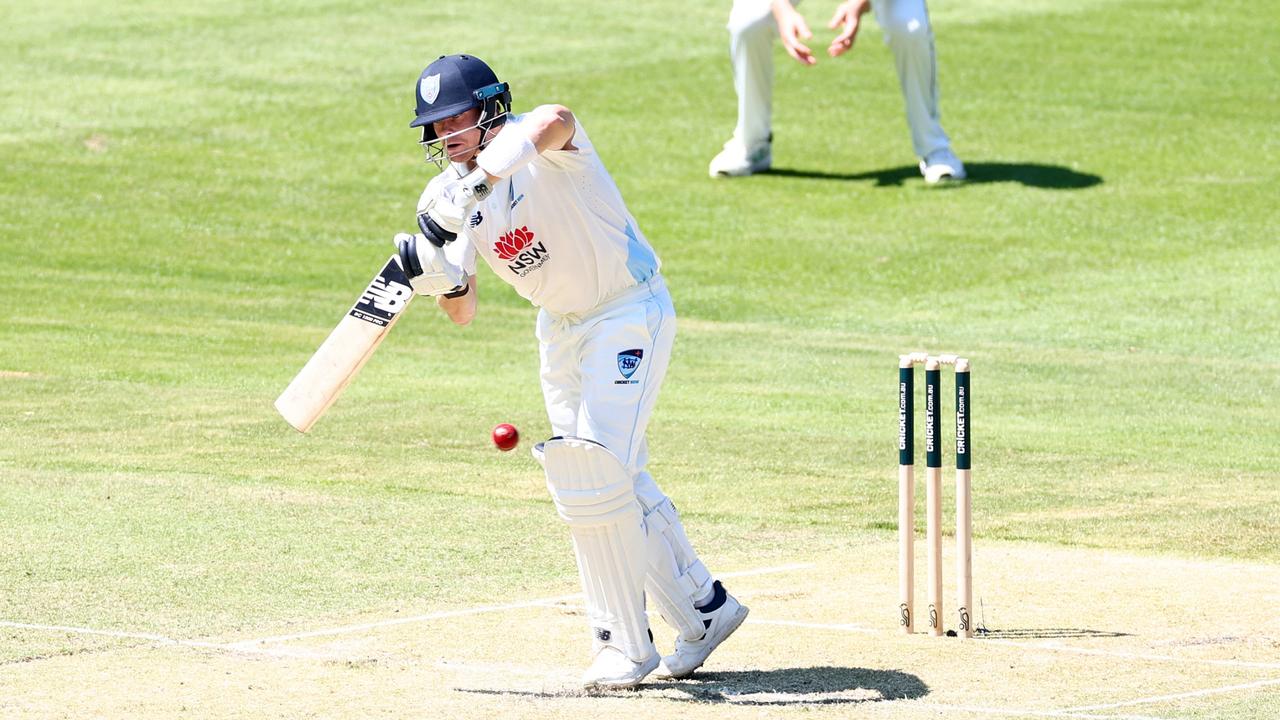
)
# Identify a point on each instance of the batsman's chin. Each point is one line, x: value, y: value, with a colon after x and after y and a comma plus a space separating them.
x: 460, y: 154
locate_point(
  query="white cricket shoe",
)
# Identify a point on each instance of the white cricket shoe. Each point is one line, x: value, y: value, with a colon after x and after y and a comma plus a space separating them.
x: 722, y: 616
x: 942, y: 165
x: 613, y: 670
x: 737, y: 160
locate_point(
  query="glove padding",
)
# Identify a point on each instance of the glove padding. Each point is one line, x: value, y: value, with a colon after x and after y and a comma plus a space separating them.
x: 442, y: 218
x: 429, y: 271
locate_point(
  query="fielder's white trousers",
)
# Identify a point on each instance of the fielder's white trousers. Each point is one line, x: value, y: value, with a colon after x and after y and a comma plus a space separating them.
x: 907, y: 32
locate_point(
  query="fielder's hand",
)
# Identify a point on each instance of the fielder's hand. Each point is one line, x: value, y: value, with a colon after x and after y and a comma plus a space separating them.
x: 429, y: 271
x: 848, y: 18
x: 794, y: 31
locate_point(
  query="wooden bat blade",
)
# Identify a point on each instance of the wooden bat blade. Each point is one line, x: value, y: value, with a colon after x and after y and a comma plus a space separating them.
x: 347, y: 348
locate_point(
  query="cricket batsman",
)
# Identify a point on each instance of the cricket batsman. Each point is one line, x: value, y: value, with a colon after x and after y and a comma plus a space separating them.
x: 528, y: 194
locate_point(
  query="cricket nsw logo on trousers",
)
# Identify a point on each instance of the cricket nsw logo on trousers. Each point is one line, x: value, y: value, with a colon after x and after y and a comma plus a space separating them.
x: 523, y: 256
x: 628, y: 362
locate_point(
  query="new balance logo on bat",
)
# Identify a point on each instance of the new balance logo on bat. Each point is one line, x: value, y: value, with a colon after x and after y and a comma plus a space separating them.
x: 388, y: 296
x: 385, y: 297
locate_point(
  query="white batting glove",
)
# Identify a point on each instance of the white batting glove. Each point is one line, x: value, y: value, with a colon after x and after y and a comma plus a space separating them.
x: 443, y: 215
x: 429, y: 271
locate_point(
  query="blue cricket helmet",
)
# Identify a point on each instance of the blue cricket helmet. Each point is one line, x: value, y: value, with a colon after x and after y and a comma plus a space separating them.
x: 454, y: 84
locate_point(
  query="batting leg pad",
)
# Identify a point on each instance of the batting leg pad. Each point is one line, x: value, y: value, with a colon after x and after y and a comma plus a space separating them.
x: 677, y: 578
x: 594, y: 494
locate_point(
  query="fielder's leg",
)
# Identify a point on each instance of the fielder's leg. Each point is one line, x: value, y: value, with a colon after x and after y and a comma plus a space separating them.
x: 751, y: 30
x: 909, y: 36
x: 595, y: 496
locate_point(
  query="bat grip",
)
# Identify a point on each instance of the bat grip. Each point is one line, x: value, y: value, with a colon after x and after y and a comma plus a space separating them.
x: 408, y: 250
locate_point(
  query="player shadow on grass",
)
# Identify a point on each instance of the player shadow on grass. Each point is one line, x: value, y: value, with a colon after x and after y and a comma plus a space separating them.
x: 800, y: 686
x: 822, y: 685
x: 1052, y: 177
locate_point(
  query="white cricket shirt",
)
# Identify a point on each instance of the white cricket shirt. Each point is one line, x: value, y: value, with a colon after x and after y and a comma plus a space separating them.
x: 557, y: 231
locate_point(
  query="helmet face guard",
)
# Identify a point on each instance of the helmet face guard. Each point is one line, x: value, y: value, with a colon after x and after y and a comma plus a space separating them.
x: 450, y: 86
x: 494, y: 102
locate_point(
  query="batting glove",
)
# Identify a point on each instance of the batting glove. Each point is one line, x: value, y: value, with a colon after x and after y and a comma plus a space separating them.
x: 430, y: 273
x: 441, y: 220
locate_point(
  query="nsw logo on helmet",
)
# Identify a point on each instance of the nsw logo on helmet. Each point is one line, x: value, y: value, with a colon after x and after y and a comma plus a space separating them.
x: 430, y: 88
x: 454, y: 84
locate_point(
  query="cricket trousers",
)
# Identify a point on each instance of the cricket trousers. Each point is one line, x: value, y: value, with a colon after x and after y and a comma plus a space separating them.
x: 601, y: 372
x: 908, y: 34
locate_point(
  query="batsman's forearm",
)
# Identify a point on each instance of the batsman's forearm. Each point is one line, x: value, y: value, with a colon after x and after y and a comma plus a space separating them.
x: 547, y: 127
x: 461, y: 309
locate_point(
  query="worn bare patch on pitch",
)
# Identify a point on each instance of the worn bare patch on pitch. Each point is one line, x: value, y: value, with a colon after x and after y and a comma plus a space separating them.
x: 1070, y: 633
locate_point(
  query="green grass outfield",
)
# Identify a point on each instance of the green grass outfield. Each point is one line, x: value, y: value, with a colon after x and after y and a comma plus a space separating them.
x: 191, y: 198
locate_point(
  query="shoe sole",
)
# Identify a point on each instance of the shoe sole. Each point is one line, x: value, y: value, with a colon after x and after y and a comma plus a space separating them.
x: 628, y: 684
x: 736, y: 173
x: 740, y: 172
x: 734, y: 623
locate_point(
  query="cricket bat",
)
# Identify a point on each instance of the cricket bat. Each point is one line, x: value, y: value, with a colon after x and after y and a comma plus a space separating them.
x: 347, y: 348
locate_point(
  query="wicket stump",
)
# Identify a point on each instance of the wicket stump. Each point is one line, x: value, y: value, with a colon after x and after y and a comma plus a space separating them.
x: 933, y: 492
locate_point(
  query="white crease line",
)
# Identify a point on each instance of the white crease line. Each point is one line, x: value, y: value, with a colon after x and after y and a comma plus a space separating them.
x: 541, y: 602
x: 163, y: 640
x: 766, y: 571
x: 250, y: 646
x: 816, y: 626
x: 1045, y: 646
x: 1179, y: 696
x: 1036, y: 713
x: 1135, y: 656
x: 495, y: 668
x: 109, y: 633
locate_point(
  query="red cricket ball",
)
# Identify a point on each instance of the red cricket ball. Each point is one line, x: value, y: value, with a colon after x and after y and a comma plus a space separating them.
x: 505, y: 436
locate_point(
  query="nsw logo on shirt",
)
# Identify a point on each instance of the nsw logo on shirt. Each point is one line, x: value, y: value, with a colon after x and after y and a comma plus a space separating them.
x: 522, y: 254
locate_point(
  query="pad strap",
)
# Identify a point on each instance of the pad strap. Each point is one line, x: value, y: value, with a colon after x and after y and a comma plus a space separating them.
x: 676, y: 577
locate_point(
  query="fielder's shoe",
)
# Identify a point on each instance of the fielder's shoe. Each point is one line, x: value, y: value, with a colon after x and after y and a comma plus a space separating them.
x: 736, y: 159
x: 722, y: 615
x: 940, y: 166
x: 613, y: 670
